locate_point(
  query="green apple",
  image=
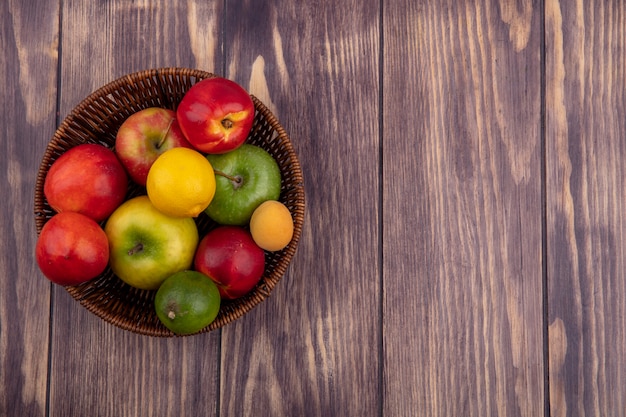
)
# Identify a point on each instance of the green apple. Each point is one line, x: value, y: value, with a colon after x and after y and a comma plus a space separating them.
x: 147, y: 246
x: 244, y: 178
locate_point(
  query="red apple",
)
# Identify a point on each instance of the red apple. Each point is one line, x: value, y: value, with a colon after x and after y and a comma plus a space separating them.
x: 71, y: 249
x: 216, y: 115
x: 87, y: 179
x: 144, y: 136
x: 229, y: 256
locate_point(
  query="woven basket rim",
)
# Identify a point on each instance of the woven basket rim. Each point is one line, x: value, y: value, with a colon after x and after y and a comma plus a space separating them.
x: 156, y: 80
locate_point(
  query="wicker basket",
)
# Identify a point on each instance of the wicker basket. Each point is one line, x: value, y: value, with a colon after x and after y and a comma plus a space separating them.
x: 96, y: 120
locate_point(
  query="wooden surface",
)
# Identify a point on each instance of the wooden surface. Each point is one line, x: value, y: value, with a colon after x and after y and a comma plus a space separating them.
x: 463, y: 249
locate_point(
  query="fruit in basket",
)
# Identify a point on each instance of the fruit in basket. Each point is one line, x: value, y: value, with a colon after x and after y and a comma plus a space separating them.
x: 216, y: 115
x: 271, y: 225
x: 71, y: 249
x: 144, y: 136
x: 88, y: 179
x: 245, y: 178
x: 229, y: 256
x: 187, y: 302
x: 146, y: 246
x: 181, y: 183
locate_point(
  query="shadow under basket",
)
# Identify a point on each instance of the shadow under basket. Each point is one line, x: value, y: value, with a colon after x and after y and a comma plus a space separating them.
x: 96, y: 120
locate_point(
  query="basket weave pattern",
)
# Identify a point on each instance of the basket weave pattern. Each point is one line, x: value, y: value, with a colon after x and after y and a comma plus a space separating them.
x: 96, y: 120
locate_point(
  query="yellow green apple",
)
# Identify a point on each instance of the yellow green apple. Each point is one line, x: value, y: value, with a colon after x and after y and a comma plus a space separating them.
x: 147, y: 246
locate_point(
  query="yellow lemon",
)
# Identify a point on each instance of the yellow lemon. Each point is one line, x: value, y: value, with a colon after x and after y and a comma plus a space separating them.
x: 271, y: 225
x: 181, y: 182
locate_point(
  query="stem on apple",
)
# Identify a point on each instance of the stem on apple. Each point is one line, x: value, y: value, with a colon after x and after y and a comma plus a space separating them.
x: 169, y: 126
x: 136, y: 249
x: 237, y: 180
x: 227, y: 123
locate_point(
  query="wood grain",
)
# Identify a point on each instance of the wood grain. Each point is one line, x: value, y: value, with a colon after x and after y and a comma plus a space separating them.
x: 28, y: 38
x: 312, y: 348
x: 97, y: 369
x: 462, y: 253
x: 586, y: 141
x: 462, y: 209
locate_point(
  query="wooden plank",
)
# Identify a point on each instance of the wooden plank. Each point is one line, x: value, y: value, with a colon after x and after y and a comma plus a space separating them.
x: 462, y: 248
x: 28, y: 63
x: 96, y: 367
x: 586, y: 147
x: 311, y: 349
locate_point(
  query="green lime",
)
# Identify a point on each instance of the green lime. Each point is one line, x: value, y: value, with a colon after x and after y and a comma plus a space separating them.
x: 187, y: 302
